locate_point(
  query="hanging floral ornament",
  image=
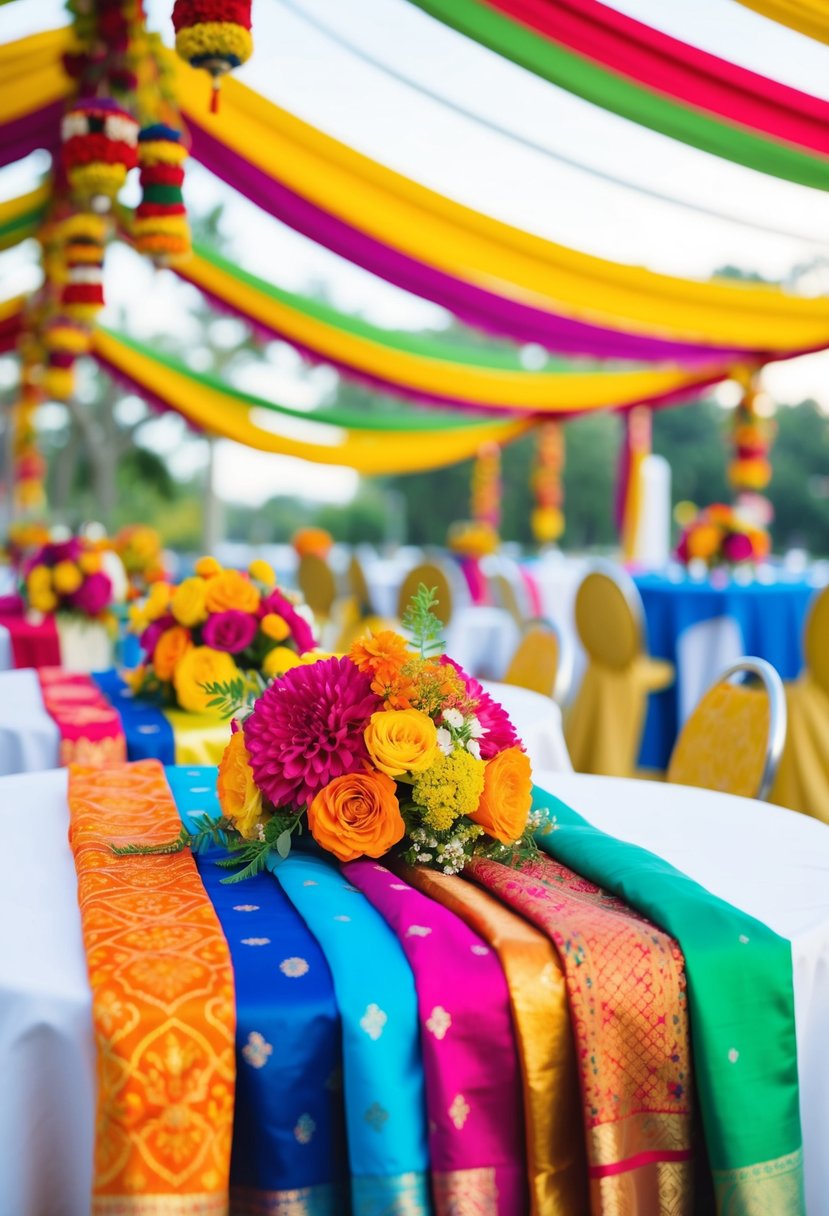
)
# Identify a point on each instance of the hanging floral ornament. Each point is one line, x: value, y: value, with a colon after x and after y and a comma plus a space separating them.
x: 752, y: 436
x: 486, y: 486
x: 547, y: 519
x: 64, y: 340
x: 29, y: 465
x: 213, y: 35
x: 82, y: 295
x: 99, y: 148
x: 160, y: 229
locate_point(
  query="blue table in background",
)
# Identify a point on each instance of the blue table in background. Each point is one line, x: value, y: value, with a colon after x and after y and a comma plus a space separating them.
x: 764, y: 619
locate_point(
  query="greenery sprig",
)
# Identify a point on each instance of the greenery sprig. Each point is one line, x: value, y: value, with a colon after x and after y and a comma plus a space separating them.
x: 420, y: 621
x: 236, y: 698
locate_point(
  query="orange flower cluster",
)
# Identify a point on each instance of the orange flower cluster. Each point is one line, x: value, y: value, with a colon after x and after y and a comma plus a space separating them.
x: 403, y: 679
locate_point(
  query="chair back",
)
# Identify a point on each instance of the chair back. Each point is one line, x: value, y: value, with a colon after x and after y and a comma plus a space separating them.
x: 537, y: 662
x: 430, y: 575
x: 504, y: 595
x: 609, y: 617
x: 317, y: 584
x: 733, y: 740
x: 816, y: 640
x: 358, y: 585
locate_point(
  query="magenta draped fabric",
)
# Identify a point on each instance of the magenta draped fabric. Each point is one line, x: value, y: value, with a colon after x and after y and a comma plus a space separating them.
x: 473, y: 1082
x: 684, y: 72
x: 40, y: 129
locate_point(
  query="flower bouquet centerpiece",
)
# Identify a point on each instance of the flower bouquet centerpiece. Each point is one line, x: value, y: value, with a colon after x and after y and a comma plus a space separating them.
x: 25, y: 537
x: 67, y: 580
x: 391, y: 748
x: 719, y: 536
x: 218, y: 634
x: 139, y: 548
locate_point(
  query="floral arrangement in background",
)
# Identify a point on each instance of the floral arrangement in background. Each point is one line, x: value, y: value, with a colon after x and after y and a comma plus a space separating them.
x: 139, y: 548
x: 218, y: 630
x: 23, y: 537
x: 392, y: 747
x: 719, y: 536
x: 472, y: 538
x: 312, y: 542
x: 69, y: 576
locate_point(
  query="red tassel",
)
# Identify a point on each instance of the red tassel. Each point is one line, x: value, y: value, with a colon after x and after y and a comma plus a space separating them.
x: 214, y: 96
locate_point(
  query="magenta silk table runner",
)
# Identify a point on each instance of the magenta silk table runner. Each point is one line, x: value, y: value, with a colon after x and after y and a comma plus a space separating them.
x: 473, y: 1081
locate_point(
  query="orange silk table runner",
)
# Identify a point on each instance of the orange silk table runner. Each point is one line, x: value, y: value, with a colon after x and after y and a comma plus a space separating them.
x: 162, y: 1001
x: 626, y: 990
x: 90, y: 729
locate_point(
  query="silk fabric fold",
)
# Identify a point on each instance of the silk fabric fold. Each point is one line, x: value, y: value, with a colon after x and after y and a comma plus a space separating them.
x: 473, y: 1089
x: 162, y: 1003
x: 289, y: 1130
x: 90, y: 729
x: 740, y: 1001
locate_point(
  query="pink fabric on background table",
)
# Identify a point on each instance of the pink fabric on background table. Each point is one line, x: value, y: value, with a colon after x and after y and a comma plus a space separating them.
x: 475, y: 580
x: 473, y: 1081
x: 34, y: 644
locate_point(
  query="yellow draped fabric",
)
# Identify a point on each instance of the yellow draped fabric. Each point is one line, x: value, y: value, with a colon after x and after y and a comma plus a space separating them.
x: 21, y: 217
x: 557, y: 1169
x: 551, y: 392
x: 369, y: 452
x: 724, y: 744
x: 10, y: 308
x: 162, y: 1003
x: 442, y: 233
x: 802, y: 781
x: 198, y: 738
x: 810, y: 17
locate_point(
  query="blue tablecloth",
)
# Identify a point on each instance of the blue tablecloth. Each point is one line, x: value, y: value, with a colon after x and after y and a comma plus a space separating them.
x: 770, y: 617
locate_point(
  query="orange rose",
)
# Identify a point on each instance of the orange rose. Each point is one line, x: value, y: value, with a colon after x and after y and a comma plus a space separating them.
x: 170, y: 648
x: 231, y: 590
x: 357, y: 815
x: 239, y: 796
x: 507, y: 797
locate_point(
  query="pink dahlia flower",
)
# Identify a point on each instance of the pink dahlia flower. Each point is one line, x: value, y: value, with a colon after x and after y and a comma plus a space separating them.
x: 307, y: 729
x: 93, y: 595
x: 301, y: 631
x: 500, y: 732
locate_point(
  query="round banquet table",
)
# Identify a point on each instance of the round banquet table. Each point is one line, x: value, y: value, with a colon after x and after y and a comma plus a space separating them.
x: 771, y: 863
x: 701, y: 627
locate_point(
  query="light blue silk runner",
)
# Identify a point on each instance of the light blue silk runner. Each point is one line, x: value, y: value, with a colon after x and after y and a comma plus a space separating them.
x: 383, y: 1071
x: 288, y: 1136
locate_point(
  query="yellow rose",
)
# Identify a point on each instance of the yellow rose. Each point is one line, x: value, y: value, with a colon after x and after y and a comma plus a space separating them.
x: 262, y: 571
x: 239, y: 796
x: 401, y: 741
x: 231, y: 591
x: 208, y: 567
x: 188, y: 602
x: 67, y: 578
x: 158, y: 601
x: 90, y: 563
x: 273, y: 626
x: 43, y: 601
x: 279, y: 660
x: 39, y: 579
x: 199, y: 666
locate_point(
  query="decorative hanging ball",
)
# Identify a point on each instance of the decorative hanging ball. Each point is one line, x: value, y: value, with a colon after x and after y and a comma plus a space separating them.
x: 82, y: 295
x: 160, y: 229
x: 213, y: 35
x: 99, y: 148
x: 64, y: 340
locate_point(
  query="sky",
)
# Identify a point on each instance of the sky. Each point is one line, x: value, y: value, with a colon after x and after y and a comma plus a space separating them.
x: 304, y: 71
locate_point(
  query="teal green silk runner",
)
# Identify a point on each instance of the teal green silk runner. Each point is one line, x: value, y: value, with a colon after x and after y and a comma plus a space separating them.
x: 741, y: 1003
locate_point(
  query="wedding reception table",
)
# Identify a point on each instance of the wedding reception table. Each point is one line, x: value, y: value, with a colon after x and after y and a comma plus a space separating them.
x: 703, y: 625
x: 768, y: 862
x: 30, y: 739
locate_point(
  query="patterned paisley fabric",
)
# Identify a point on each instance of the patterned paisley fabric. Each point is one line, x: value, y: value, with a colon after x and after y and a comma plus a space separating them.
x: 162, y: 1003
x: 626, y: 991
x: 90, y: 729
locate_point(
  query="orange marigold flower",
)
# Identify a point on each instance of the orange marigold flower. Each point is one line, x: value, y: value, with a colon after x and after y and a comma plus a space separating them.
x: 385, y: 649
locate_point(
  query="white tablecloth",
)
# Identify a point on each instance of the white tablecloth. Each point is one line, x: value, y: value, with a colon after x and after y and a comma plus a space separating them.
x: 538, y: 722
x: 29, y: 738
x: 772, y: 863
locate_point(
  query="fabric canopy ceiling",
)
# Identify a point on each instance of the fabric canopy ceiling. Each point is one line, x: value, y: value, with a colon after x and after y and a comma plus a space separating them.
x: 655, y: 80
x: 810, y: 17
x: 21, y: 217
x: 485, y: 271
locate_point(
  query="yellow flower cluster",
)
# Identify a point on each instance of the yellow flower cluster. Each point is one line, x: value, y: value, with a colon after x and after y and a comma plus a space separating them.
x: 450, y: 787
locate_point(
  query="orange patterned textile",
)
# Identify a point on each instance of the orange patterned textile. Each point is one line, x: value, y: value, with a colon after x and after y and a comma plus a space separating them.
x: 90, y: 729
x: 626, y: 991
x: 162, y: 1000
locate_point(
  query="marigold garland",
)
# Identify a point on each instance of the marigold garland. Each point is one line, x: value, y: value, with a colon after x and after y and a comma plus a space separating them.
x: 547, y: 519
x: 752, y: 437
x: 99, y: 148
x: 82, y: 296
x: 213, y: 35
x: 160, y: 229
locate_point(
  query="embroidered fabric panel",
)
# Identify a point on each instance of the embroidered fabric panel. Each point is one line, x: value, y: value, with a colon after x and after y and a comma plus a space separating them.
x: 90, y: 729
